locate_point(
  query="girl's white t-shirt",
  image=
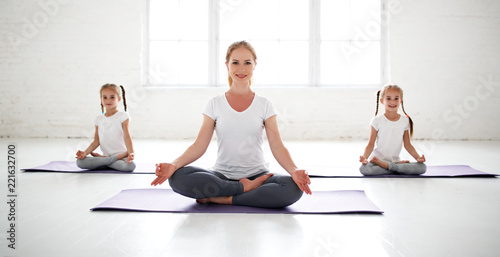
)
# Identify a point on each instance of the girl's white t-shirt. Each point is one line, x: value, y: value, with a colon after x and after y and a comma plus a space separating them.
x: 389, y: 137
x: 239, y: 136
x: 110, y: 133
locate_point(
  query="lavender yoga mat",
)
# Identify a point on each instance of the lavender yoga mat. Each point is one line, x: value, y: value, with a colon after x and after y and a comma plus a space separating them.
x: 314, y: 171
x: 166, y: 200
x: 70, y: 167
x: 442, y: 171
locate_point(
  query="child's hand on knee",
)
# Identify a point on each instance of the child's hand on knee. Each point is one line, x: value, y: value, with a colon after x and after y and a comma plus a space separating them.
x: 363, y: 159
x: 131, y: 157
x: 80, y: 154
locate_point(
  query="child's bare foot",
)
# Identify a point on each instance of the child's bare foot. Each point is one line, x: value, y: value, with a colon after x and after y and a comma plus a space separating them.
x: 379, y: 162
x: 218, y: 200
x: 130, y: 157
x: 249, y: 185
x: 96, y: 154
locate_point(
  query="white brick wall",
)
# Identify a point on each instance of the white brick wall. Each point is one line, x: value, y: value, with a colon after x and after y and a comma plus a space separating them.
x: 56, y: 54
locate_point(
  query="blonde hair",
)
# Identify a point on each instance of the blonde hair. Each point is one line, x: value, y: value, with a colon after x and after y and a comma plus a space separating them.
x: 235, y: 46
x: 117, y: 90
x: 394, y: 87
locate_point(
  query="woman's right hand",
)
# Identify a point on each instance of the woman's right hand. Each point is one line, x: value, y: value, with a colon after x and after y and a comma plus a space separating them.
x: 163, y: 172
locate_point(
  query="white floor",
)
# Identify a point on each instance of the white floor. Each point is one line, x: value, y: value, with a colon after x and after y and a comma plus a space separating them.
x: 423, y: 217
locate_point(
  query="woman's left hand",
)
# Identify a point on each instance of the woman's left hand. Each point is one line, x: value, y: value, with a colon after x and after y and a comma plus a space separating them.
x: 302, y: 180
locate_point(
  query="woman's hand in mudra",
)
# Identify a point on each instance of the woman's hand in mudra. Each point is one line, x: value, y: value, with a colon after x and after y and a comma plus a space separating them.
x: 163, y: 172
x: 302, y: 180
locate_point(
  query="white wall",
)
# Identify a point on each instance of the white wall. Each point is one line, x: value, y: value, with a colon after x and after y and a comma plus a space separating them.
x: 55, y: 55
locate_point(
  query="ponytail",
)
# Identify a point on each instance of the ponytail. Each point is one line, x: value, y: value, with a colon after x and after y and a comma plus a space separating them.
x: 378, y: 97
x: 124, y: 99
x: 411, y: 122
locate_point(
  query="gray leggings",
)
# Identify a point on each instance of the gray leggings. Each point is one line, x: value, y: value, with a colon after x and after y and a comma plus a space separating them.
x: 92, y: 163
x: 277, y: 191
x: 413, y: 168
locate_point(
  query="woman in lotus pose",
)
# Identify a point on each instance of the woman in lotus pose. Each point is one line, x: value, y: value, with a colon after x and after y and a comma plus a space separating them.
x: 240, y: 175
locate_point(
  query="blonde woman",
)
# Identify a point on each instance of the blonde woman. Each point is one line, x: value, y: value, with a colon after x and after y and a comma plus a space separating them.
x: 240, y: 175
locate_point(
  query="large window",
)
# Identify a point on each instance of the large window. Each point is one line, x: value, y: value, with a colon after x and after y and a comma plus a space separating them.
x: 298, y: 42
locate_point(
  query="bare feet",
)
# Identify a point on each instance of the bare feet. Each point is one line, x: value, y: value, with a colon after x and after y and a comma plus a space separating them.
x: 218, y: 200
x: 249, y: 185
x: 96, y: 154
x: 380, y: 163
x: 122, y: 155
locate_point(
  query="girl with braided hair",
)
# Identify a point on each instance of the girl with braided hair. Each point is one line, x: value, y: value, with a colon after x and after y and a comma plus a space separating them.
x: 391, y: 132
x: 111, y: 135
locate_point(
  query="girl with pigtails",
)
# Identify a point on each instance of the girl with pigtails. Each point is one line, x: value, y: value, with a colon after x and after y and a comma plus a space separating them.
x: 389, y: 133
x: 111, y: 135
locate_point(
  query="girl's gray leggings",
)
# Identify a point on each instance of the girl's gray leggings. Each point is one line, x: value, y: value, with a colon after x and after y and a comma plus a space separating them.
x: 277, y: 192
x: 413, y: 168
x: 92, y: 163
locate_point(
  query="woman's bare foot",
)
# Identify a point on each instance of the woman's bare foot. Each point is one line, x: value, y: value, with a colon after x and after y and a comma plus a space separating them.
x: 379, y: 162
x: 404, y: 161
x: 218, y: 200
x: 249, y: 185
x: 122, y: 155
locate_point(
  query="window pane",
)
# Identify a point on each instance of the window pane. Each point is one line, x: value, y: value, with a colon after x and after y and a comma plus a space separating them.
x: 335, y: 20
x: 163, y: 58
x: 163, y: 20
x: 193, y: 20
x: 282, y: 62
x: 172, y: 20
x: 178, y: 62
x: 365, y: 17
x: 334, y: 65
x: 294, y: 20
x: 193, y: 62
x: 350, y: 19
x: 350, y: 51
x: 264, y: 20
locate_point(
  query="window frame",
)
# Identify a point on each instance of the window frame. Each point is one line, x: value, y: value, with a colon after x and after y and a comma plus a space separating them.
x: 314, y: 72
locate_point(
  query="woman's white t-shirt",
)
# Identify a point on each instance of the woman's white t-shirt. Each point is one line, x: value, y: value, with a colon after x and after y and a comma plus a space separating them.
x: 110, y: 133
x: 239, y: 136
x: 389, y: 137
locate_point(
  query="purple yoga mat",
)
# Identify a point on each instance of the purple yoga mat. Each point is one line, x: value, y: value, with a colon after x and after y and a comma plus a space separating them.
x: 314, y: 171
x: 70, y: 167
x: 166, y: 200
x: 442, y: 171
